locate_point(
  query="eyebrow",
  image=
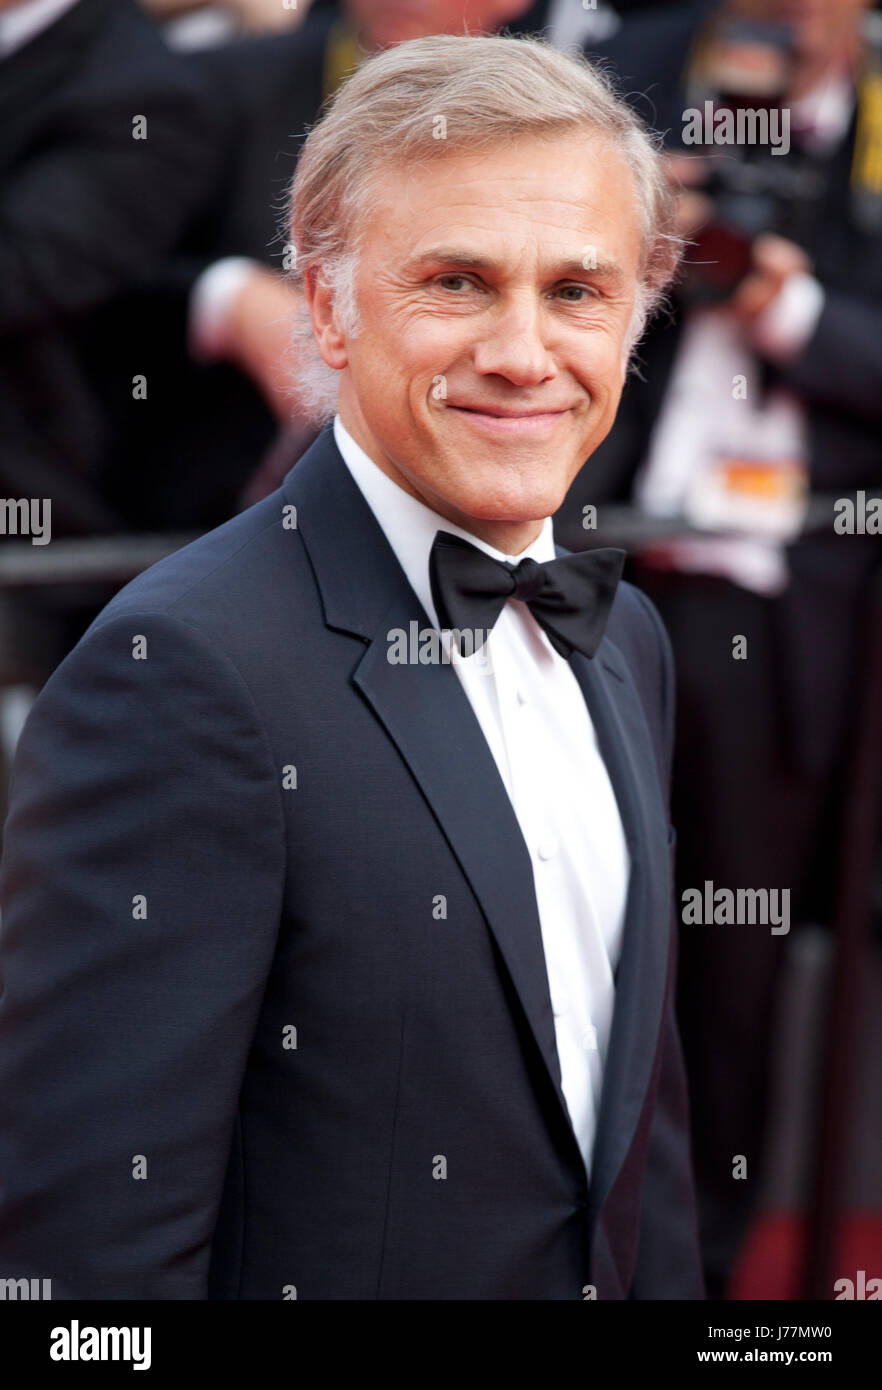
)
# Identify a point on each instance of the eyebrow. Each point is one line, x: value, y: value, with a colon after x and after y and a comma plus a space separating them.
x: 605, y: 269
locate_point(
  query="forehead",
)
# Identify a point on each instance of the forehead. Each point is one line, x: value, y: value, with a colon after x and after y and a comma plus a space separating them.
x: 567, y: 191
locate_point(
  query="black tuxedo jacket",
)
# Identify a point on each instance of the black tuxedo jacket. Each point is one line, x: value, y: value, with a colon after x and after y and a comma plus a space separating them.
x: 241, y: 1053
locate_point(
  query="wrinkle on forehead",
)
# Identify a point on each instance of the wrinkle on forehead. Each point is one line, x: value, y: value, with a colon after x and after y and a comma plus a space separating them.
x: 515, y: 203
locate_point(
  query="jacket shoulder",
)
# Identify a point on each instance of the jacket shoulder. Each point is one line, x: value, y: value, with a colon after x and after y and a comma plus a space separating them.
x: 222, y: 581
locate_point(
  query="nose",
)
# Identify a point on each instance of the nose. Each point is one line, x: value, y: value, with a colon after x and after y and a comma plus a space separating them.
x: 513, y: 344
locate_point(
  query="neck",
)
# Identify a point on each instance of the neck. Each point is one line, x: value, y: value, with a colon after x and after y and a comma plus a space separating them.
x: 511, y: 537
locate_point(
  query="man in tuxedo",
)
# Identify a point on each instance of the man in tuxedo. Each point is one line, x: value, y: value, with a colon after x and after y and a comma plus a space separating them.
x: 337, y: 940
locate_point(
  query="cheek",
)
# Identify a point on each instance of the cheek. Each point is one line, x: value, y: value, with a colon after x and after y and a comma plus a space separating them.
x: 406, y: 349
x: 379, y: 368
x: 595, y: 359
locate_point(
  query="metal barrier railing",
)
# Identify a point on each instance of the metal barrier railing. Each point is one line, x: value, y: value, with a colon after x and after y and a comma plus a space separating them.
x: 118, y: 558
x: 625, y: 525
x: 92, y: 559
x: 112, y: 561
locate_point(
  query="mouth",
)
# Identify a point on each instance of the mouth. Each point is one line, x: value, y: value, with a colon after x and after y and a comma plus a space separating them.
x: 498, y: 420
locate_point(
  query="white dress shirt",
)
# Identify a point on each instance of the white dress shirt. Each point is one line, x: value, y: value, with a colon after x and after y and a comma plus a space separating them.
x: 533, y: 715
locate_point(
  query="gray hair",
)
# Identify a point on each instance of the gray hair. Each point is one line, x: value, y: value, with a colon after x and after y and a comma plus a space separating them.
x: 386, y: 114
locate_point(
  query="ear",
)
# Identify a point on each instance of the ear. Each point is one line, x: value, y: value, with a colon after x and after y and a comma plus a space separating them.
x: 325, y: 322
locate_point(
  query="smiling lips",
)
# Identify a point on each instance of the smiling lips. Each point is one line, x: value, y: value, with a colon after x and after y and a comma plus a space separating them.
x: 503, y: 420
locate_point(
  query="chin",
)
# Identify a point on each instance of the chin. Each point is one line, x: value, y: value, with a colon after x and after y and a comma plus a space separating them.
x: 533, y: 507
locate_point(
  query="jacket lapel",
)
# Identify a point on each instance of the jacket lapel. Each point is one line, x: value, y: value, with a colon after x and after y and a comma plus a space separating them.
x: 429, y: 719
x: 641, y: 975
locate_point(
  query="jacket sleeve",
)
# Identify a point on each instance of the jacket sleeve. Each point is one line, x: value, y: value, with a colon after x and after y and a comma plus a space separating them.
x: 668, y: 1264
x: 668, y: 1256
x: 93, y: 210
x: 140, y: 892
x: 841, y: 364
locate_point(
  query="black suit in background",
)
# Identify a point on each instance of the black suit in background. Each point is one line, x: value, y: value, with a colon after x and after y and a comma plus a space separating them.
x: 86, y: 214
x: 760, y: 742
x: 207, y: 425
x: 272, y: 906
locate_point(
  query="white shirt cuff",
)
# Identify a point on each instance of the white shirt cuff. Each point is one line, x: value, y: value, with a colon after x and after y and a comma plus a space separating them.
x: 784, y: 327
x: 211, y: 299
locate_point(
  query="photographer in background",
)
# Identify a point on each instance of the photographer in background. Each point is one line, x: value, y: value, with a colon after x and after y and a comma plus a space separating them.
x: 764, y: 384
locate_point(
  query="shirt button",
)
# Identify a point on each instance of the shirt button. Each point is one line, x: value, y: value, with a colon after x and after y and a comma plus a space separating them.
x: 559, y: 1002
x: 522, y: 699
x: 547, y: 848
x: 589, y: 1039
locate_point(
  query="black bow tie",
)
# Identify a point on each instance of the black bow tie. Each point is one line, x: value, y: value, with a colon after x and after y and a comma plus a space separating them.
x: 570, y: 597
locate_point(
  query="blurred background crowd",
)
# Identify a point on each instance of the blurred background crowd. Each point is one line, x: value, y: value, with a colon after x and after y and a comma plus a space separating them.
x: 145, y: 353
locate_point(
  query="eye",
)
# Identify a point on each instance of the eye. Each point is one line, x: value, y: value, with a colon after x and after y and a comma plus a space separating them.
x: 581, y: 290
x: 459, y: 281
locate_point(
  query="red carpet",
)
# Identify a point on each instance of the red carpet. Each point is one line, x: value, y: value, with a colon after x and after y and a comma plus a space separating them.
x: 769, y: 1264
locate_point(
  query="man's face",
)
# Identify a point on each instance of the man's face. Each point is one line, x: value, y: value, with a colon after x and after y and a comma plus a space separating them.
x: 386, y: 22
x: 494, y: 289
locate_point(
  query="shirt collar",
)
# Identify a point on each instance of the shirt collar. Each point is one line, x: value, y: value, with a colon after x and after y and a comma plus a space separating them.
x: 410, y: 526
